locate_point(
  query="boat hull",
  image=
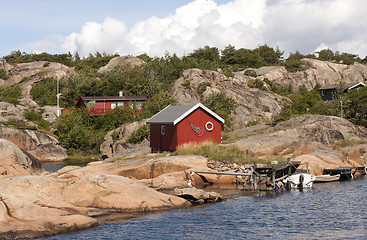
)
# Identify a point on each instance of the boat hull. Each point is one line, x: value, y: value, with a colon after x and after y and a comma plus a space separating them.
x: 300, y: 180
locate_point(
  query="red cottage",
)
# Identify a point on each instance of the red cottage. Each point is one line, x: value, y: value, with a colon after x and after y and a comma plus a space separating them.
x: 99, y: 105
x: 177, y: 125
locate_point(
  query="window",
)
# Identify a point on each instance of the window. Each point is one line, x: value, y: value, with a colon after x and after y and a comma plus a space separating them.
x: 113, y: 105
x: 120, y: 104
x: 138, y: 105
x: 131, y: 105
x: 163, y: 130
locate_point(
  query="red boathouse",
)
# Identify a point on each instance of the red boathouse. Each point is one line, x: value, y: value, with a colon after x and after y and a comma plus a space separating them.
x: 101, y: 104
x: 176, y: 125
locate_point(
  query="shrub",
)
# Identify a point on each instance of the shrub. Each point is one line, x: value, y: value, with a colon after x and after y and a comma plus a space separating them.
x: 139, y: 135
x: 221, y: 105
x: 157, y: 103
x: 250, y: 73
x: 25, y: 79
x: 256, y: 83
x: 293, y: 65
x: 32, y: 116
x: 115, y: 118
x: 186, y: 84
x: 10, y: 93
x: 202, y: 87
x: 44, y: 92
x: 3, y: 74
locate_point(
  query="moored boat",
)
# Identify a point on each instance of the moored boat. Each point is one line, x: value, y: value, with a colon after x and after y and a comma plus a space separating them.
x: 300, y: 180
x: 327, y: 178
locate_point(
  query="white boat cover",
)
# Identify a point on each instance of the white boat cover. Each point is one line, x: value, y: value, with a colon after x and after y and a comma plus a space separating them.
x: 300, y: 180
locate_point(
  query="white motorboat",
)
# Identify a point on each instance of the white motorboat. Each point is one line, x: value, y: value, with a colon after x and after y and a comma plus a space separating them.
x: 300, y: 180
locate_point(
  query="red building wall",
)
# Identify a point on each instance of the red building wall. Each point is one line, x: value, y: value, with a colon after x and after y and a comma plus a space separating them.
x: 176, y: 135
x: 198, y: 118
x: 100, y: 108
x: 160, y: 142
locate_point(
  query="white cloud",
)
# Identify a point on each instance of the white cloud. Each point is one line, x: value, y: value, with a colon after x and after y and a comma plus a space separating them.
x: 304, y: 25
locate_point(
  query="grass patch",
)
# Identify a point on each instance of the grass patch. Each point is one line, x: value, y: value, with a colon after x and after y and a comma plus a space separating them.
x: 229, y: 153
x: 213, y: 151
x: 81, y: 159
x: 231, y: 137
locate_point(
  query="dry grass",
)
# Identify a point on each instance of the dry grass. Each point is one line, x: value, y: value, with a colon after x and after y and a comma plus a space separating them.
x: 228, y: 153
x: 347, y: 143
x: 231, y: 137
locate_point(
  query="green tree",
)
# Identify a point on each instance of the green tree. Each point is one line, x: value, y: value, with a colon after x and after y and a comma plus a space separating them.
x: 114, y: 118
x: 221, y: 105
x: 326, y: 54
x: 157, y: 103
x: 356, y: 107
x: 206, y: 53
x: 75, y: 131
x: 268, y: 54
x: 10, y: 93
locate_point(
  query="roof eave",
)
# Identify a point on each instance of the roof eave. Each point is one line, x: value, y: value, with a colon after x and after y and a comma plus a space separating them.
x: 193, y: 109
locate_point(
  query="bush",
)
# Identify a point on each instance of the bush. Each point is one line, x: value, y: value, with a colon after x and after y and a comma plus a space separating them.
x: 256, y: 83
x: 202, y: 87
x: 3, y: 74
x: 32, y: 116
x: 221, y: 105
x: 293, y: 65
x: 25, y: 79
x: 157, y: 103
x: 250, y: 73
x: 114, y: 118
x: 139, y: 135
x: 10, y: 93
x: 44, y: 92
x: 186, y: 84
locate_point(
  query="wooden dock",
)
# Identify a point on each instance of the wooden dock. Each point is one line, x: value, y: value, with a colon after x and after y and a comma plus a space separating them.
x: 346, y: 173
x: 262, y: 177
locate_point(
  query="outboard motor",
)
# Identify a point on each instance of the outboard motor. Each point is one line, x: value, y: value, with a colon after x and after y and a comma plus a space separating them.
x: 301, y: 179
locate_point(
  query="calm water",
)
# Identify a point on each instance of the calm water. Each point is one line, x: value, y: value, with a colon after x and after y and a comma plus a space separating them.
x: 328, y: 211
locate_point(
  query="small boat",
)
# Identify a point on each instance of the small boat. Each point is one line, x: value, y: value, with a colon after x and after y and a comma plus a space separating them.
x: 327, y: 178
x: 300, y: 180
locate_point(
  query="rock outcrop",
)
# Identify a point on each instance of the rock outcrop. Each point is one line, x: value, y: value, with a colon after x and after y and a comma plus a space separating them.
x: 312, y: 138
x: 9, y: 111
x: 196, y: 196
x: 40, y: 145
x: 317, y: 73
x: 34, y: 206
x: 115, y: 145
x: 15, y: 162
x: 122, y: 62
x: 253, y: 104
x: 26, y: 74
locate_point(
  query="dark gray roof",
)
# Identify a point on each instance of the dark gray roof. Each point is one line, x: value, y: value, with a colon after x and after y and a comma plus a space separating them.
x: 346, y: 86
x: 114, y: 98
x: 174, y: 114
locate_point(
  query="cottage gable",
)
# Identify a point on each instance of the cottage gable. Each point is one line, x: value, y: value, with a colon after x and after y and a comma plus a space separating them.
x: 174, y: 114
x: 178, y: 125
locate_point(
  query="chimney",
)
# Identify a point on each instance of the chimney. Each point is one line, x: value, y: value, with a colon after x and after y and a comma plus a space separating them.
x: 121, y: 94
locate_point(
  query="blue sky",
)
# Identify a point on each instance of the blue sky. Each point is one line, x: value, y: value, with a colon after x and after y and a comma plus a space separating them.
x: 180, y: 26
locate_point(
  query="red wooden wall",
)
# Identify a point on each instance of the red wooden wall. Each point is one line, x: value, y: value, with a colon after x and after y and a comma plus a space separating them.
x: 166, y: 142
x: 176, y: 135
x: 198, y: 118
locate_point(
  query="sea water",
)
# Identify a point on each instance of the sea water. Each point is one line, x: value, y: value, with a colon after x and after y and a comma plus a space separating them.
x: 334, y: 210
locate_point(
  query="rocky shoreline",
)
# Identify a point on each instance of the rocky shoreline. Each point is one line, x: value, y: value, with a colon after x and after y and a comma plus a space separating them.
x: 35, y: 203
